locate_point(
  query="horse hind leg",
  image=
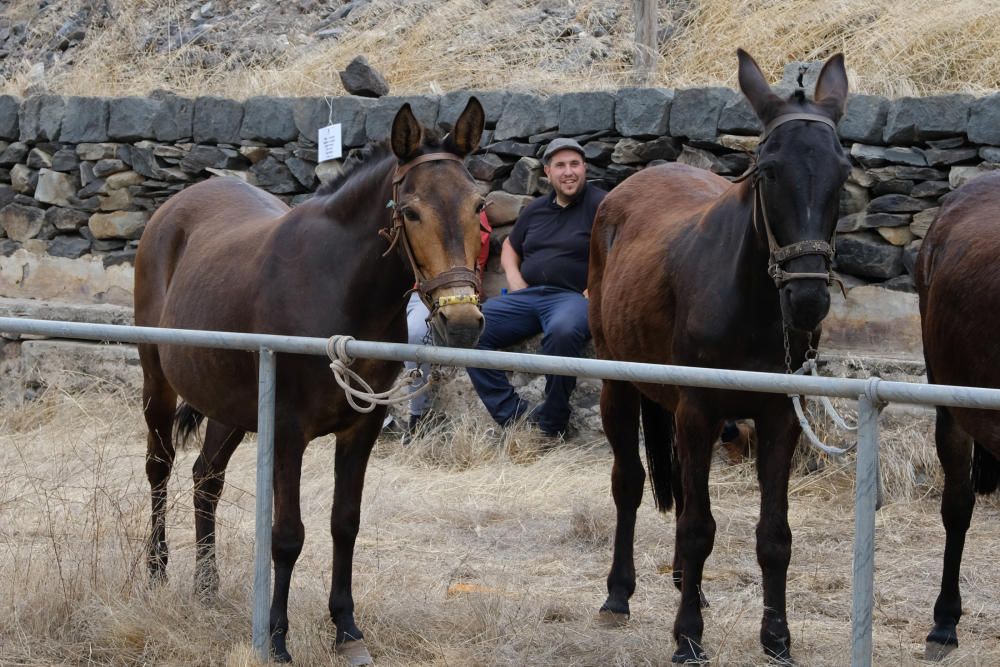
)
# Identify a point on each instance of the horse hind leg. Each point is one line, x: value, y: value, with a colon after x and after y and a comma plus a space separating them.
x: 209, y: 474
x: 955, y: 450
x: 158, y: 403
x: 620, y: 416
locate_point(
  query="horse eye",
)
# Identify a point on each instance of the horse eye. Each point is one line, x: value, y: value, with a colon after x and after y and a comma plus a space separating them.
x: 411, y: 215
x: 480, y: 206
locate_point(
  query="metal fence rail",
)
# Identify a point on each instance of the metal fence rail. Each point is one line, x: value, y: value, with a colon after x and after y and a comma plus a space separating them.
x: 871, y: 394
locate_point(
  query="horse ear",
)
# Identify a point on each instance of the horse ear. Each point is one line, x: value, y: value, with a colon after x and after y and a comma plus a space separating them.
x: 407, y: 133
x: 755, y: 87
x: 831, y: 86
x: 469, y: 127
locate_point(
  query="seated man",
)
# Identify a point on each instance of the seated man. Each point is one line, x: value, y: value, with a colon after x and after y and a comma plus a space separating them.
x: 545, y: 260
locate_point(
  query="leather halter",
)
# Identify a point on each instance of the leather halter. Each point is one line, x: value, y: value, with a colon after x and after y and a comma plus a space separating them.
x: 456, y: 275
x: 779, y: 254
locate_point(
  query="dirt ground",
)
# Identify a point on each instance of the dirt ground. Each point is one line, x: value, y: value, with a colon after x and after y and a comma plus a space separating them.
x: 471, y: 552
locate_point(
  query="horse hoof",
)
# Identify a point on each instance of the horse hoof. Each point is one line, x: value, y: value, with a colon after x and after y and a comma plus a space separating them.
x: 355, y: 652
x: 689, y: 653
x: 934, y: 652
x: 612, y: 619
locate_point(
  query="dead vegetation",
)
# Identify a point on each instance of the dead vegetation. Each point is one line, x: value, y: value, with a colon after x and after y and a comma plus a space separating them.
x: 474, y: 550
x: 240, y: 48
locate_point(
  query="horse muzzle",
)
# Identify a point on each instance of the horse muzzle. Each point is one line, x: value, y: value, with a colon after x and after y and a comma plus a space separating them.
x: 456, y: 320
x: 804, y: 303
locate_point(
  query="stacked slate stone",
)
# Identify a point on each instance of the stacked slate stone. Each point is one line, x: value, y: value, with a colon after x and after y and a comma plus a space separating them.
x: 82, y: 175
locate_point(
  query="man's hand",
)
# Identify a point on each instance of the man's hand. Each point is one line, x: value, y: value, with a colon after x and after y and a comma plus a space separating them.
x: 511, y: 263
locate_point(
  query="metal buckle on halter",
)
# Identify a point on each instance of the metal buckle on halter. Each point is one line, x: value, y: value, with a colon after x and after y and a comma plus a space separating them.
x: 456, y: 299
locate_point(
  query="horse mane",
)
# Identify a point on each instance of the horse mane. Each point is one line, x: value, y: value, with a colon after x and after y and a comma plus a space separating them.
x: 366, y: 168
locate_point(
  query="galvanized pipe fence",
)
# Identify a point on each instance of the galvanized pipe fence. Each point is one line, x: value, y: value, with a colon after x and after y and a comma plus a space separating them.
x: 872, y: 394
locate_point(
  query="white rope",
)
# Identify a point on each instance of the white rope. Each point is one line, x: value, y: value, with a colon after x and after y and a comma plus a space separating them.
x: 336, y: 349
x: 809, y: 367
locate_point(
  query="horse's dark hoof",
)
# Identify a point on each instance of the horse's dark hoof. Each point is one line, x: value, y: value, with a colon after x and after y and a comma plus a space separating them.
x: 355, y: 652
x: 778, y: 651
x: 689, y: 652
x: 614, y: 612
x: 941, y: 641
x: 278, y: 651
x: 934, y: 652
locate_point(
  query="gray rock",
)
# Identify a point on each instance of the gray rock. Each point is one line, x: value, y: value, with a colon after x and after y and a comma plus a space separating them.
x: 522, y: 117
x: 15, y: 153
x: 922, y: 221
x: 488, y: 167
x: 9, y: 107
x: 453, y: 104
x: 642, y: 112
x: 217, y: 120
x: 903, y: 283
x: 7, y: 195
x: 920, y: 173
x: 116, y: 257
x: 853, y: 199
x: 697, y: 157
x: 38, y: 159
x: 864, y: 119
x: 86, y: 120
x: 626, y: 151
x: 950, y: 142
x: 984, y: 121
x: 897, y: 204
x: 910, y: 252
x: 598, y: 152
x: 524, y: 177
x: 943, y: 157
x: 55, y: 187
x: 270, y: 120
x: 360, y: 78
x: 913, y: 157
x: 65, y: 219
x: 175, y: 119
x: 304, y: 172
x: 200, y: 158
x: 551, y: 109
x: 72, y: 247
x: 117, y: 225
x: 876, y: 220
x: 895, y: 186
x: 503, y: 208
x: 514, y: 148
x: 131, y: 118
x: 40, y: 118
x: 912, y: 119
x: 867, y: 255
x: 378, y: 123
x: 65, y: 159
x: 24, y: 222
x: 23, y: 179
x: 274, y: 176
x: 107, y: 167
x: 695, y: 112
x: 106, y: 245
x: 987, y: 153
x: 144, y: 161
x: 100, y: 151
x: 959, y: 176
x: 930, y: 189
x: 738, y: 118
x: 664, y: 148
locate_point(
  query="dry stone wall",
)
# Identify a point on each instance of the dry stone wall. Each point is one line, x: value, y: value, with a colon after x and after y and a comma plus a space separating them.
x: 80, y: 176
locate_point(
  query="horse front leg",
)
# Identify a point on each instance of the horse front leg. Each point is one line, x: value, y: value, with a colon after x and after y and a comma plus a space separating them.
x: 287, y: 532
x: 695, y: 526
x: 778, y: 433
x: 354, y: 446
x: 954, y: 449
x: 620, y: 417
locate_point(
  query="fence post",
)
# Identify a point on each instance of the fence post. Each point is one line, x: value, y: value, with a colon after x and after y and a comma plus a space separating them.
x: 265, y: 502
x: 644, y: 15
x: 865, y: 496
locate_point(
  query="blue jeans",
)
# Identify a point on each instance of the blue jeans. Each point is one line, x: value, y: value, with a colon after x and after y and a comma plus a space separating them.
x: 560, y: 315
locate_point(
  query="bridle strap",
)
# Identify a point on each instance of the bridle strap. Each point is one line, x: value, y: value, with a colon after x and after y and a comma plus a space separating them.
x: 787, y: 117
x: 456, y: 275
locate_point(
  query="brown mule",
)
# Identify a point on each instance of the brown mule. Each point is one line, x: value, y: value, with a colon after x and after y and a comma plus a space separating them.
x: 958, y: 281
x: 687, y: 268
x: 225, y: 256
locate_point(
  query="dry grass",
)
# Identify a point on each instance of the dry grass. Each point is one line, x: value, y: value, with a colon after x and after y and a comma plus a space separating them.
x: 893, y: 47
x: 527, y: 529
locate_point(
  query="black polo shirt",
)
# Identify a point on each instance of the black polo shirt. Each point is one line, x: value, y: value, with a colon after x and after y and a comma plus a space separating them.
x: 554, y: 242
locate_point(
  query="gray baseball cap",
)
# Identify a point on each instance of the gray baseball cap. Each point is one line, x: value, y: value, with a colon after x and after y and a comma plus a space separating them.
x: 560, y: 144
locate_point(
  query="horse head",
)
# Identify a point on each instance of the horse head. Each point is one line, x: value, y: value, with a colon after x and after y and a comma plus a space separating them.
x: 436, y: 208
x: 799, y: 170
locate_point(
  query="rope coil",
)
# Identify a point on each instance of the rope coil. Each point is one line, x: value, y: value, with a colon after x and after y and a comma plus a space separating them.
x: 340, y: 360
x: 809, y: 367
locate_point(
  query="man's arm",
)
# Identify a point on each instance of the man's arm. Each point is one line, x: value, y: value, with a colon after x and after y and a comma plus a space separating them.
x: 510, y: 261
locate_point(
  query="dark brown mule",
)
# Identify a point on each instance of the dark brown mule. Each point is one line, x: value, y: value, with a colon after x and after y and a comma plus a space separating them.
x: 958, y: 280
x: 225, y: 256
x: 687, y: 268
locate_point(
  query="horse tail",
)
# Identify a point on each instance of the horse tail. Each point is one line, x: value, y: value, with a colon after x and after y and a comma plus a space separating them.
x: 985, y: 470
x: 186, y: 423
x: 658, y: 434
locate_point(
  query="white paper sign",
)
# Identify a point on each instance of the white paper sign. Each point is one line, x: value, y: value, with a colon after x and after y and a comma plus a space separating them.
x: 329, y: 144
